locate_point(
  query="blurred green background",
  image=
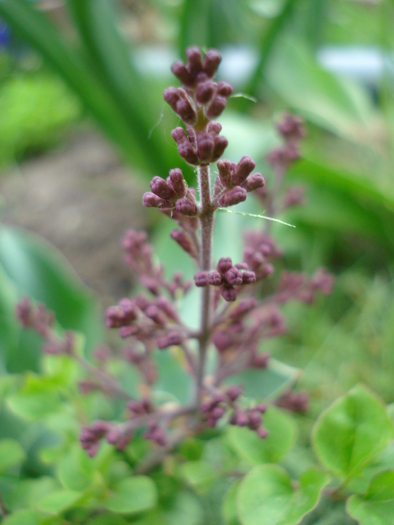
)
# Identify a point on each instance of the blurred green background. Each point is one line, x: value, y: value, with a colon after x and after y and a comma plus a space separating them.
x: 87, y: 64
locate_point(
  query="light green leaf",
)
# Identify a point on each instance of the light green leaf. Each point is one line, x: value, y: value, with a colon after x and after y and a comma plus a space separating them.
x: 199, y: 474
x: 249, y: 446
x: 27, y: 492
x: 229, y: 506
x: 70, y: 470
x: 58, y: 501
x: 108, y: 519
x: 132, y: 495
x: 335, y: 103
x: 184, y: 510
x: 377, y: 505
x: 354, y: 429
x: 23, y: 517
x: 11, y: 453
x: 266, y: 496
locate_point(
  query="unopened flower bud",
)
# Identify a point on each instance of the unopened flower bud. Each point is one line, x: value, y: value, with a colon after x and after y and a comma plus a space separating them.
x: 186, y: 207
x: 201, y: 279
x: 150, y: 200
x: 155, y: 314
x: 224, y: 89
x: 226, y: 169
x: 205, y: 145
x: 248, y: 277
x: 205, y: 91
x: 262, y: 432
x: 184, y: 242
x: 233, y: 276
x: 216, y: 107
x: 221, y: 144
x: 211, y: 62
x: 233, y: 196
x: 186, y: 111
x: 214, y: 278
x: 160, y: 188
x: 228, y: 293
x: 233, y: 392
x: 254, y: 182
x: 177, y: 182
x: 244, y: 168
x: 171, y: 339
x: 179, y: 69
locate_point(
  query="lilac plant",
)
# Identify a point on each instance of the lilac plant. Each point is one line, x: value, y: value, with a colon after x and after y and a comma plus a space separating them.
x: 238, y: 313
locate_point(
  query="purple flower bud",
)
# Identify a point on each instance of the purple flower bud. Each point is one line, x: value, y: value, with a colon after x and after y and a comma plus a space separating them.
x: 221, y: 144
x: 224, y: 89
x: 171, y: 339
x: 254, y: 420
x: 262, y: 432
x: 233, y: 196
x: 248, y: 277
x: 171, y: 96
x: 224, y: 264
x: 114, y: 317
x: 160, y: 188
x: 216, y: 107
x: 260, y: 360
x: 185, y: 110
x: 193, y: 56
x: 150, y: 200
x: 201, y: 279
x: 184, y: 242
x: 214, y: 128
x: 155, y: 314
x: 214, y: 278
x: 228, y: 293
x: 166, y: 306
x: 244, y: 168
x: 291, y: 127
x: 226, y: 170
x: 205, y: 145
x: 243, y: 308
x: 177, y: 182
x: 205, y: 91
x: 186, y: 207
x: 240, y: 419
x: 179, y: 69
x: 127, y: 331
x: 261, y: 407
x: 233, y: 392
x: 217, y: 412
x: 233, y: 276
x: 178, y: 134
x: 254, y: 182
x: 211, y: 62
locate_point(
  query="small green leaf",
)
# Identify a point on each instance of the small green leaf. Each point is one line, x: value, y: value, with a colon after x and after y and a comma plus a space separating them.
x: 377, y: 505
x: 27, y: 492
x: 132, y: 495
x: 266, y: 496
x: 23, y: 517
x: 352, y: 431
x: 183, y: 510
x: 108, y: 519
x: 58, y: 501
x: 249, y: 446
x: 229, y: 506
x: 70, y: 471
x: 11, y: 453
x: 199, y: 474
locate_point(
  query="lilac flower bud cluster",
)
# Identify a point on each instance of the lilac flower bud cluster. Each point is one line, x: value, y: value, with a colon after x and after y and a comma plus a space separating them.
x: 292, y: 130
x: 234, y: 181
x: 41, y: 320
x: 198, y: 102
x: 295, y: 285
x: 139, y: 257
x: 226, y: 277
x: 251, y: 418
x: 297, y: 402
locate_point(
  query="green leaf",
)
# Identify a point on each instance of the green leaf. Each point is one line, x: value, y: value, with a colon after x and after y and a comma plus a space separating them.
x: 23, y: 517
x: 70, y: 470
x: 27, y: 492
x: 108, y: 519
x: 132, y: 495
x: 266, y: 496
x: 41, y: 272
x: 199, y: 474
x: 185, y: 509
x: 58, y: 501
x: 334, y: 103
x: 249, y: 446
x: 377, y: 505
x: 351, y: 431
x: 11, y: 454
x: 229, y: 506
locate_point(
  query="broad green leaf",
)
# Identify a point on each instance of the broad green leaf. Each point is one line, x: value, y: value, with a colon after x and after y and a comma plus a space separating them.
x: 266, y: 496
x: 377, y: 505
x: 201, y: 475
x: 281, y: 436
x: 354, y: 429
x: 108, y: 519
x: 229, y: 506
x: 70, y: 470
x: 39, y: 271
x: 58, y: 501
x: 267, y: 382
x: 27, y: 492
x: 132, y: 495
x: 334, y: 103
x: 11, y: 454
x: 185, y: 509
x: 23, y: 517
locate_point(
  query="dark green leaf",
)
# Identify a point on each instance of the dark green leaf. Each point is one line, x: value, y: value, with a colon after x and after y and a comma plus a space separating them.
x: 23, y: 517
x: 201, y: 475
x: 11, y: 453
